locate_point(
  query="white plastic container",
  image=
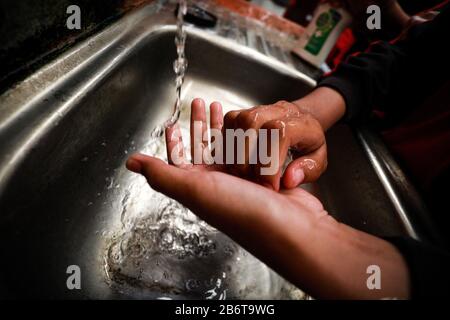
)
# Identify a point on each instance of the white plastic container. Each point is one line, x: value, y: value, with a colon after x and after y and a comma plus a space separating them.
x: 322, y: 33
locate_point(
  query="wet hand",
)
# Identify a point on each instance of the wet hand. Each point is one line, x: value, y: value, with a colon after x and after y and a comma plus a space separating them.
x: 299, y: 132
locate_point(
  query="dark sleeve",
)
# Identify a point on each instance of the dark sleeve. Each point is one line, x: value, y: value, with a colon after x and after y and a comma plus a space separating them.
x: 394, y: 75
x: 428, y: 268
x: 415, y: 6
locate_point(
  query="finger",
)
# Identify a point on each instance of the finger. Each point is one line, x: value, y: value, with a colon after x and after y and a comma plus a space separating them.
x: 305, y: 169
x: 230, y: 118
x: 247, y: 120
x: 255, y: 118
x: 161, y: 176
x: 306, y: 136
x: 216, y: 116
x: 216, y: 124
x: 198, y: 130
x: 174, y: 145
x: 274, y: 149
x: 229, y: 123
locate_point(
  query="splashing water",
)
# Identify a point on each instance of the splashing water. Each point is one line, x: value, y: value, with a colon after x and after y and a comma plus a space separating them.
x: 179, y: 67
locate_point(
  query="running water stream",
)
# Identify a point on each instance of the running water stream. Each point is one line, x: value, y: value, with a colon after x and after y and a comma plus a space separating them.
x: 179, y: 67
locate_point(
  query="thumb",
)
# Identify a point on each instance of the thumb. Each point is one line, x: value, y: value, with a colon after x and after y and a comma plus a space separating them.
x: 161, y: 176
x: 294, y: 175
x: 305, y: 169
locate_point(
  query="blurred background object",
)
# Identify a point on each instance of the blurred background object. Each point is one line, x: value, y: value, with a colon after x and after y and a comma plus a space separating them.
x: 275, y: 6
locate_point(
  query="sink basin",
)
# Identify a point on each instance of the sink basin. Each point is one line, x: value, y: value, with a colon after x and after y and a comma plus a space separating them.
x: 67, y: 199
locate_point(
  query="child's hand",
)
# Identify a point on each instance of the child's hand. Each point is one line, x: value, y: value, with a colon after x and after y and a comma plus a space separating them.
x: 299, y: 132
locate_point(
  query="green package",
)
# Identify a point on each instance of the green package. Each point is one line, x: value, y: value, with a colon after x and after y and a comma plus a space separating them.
x: 325, y: 24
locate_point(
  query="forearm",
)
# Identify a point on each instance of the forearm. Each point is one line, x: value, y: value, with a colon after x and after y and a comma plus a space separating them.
x: 325, y: 104
x: 335, y: 258
x: 327, y: 259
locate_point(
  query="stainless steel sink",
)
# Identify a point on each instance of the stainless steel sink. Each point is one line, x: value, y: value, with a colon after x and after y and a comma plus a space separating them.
x: 67, y: 199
